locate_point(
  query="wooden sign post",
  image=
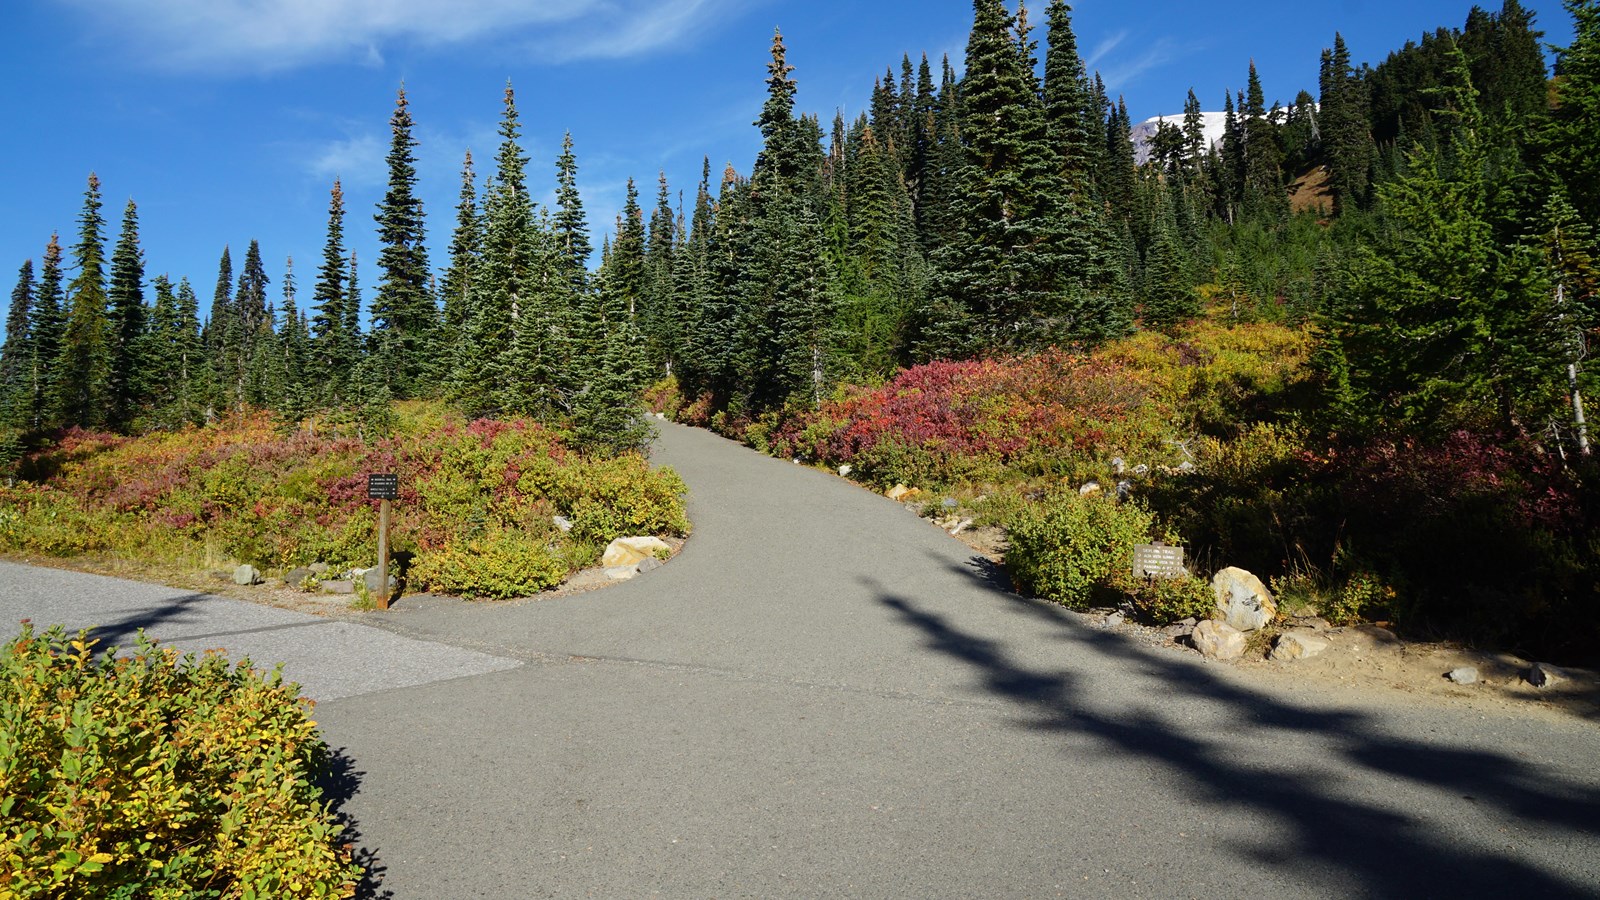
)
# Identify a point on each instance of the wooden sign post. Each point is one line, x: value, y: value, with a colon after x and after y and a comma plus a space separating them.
x: 383, y: 488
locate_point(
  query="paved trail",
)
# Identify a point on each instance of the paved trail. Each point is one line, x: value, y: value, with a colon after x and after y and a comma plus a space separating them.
x: 824, y: 696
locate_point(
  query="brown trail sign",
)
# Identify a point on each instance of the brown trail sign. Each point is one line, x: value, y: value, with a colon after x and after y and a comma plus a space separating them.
x: 383, y: 488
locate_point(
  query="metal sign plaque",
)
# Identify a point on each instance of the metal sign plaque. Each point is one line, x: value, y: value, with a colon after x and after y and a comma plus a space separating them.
x: 383, y: 487
x: 1158, y: 561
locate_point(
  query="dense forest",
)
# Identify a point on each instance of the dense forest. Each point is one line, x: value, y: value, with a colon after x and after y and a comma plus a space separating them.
x: 1430, y: 221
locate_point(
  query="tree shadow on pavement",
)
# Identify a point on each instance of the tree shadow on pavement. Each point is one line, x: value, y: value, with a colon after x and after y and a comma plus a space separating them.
x: 1378, y: 850
x: 121, y: 633
x: 341, y: 782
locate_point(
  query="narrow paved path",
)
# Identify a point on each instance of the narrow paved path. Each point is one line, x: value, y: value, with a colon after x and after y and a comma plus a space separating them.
x: 824, y: 696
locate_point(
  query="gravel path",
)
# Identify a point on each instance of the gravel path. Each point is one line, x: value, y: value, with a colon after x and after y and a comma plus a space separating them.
x: 823, y: 695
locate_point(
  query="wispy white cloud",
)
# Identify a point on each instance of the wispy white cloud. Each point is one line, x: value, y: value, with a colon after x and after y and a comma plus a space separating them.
x: 1121, y: 71
x: 356, y: 160
x: 1104, y: 47
x: 267, y: 35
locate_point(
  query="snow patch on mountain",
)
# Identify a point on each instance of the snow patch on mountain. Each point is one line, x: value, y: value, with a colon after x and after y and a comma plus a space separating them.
x: 1215, y: 124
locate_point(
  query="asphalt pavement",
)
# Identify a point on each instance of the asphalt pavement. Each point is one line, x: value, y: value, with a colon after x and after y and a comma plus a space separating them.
x: 824, y: 695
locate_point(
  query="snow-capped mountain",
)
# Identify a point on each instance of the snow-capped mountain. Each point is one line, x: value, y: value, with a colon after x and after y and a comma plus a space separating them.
x: 1144, y: 131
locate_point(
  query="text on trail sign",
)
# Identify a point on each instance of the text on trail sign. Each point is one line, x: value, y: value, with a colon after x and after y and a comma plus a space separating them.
x: 1158, y: 561
x: 383, y: 487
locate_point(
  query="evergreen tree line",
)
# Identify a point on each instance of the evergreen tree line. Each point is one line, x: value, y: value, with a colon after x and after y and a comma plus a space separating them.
x: 517, y: 325
x: 995, y: 211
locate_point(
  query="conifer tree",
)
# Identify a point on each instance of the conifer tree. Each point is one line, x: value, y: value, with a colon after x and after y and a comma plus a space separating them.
x: 16, y: 355
x: 466, y: 248
x: 504, y: 282
x: 404, y: 315
x: 127, y: 322
x: 571, y: 225
x: 1264, y: 196
x: 1345, y: 130
x: 1444, y: 324
x: 84, y: 367
x: 1570, y: 139
x: 297, y: 394
x: 333, y: 345
x: 46, y: 326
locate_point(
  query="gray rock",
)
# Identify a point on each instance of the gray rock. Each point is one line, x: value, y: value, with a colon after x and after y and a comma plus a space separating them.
x: 1141, y: 469
x: 845, y: 470
x: 319, y: 568
x: 648, y: 564
x: 1297, y: 645
x: 1191, y: 622
x: 1115, y: 619
x: 1544, y: 675
x: 1118, y: 466
x: 1089, y: 487
x: 562, y: 522
x: 620, y: 573
x: 246, y: 574
x: 371, y: 579
x: 1218, y: 640
x: 1242, y: 600
x: 1179, y: 629
x: 297, y: 577
x: 948, y: 503
x: 1124, y: 490
x: 339, y: 586
x: 1463, y: 675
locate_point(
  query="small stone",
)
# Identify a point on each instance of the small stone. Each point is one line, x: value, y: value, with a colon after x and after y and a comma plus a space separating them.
x: 297, y: 577
x: 1218, y: 640
x: 1118, y: 466
x: 246, y: 575
x: 1124, y: 490
x: 845, y: 470
x: 949, y: 503
x: 339, y: 586
x: 1185, y: 467
x: 1141, y: 469
x: 1242, y: 600
x: 1463, y: 675
x: 562, y: 523
x: 1178, y: 630
x: 961, y: 526
x: 901, y: 492
x: 371, y: 580
x: 1294, y: 645
x: 621, y: 573
x: 648, y: 564
x: 1544, y: 675
x: 1115, y: 619
x: 1089, y: 487
x: 1191, y: 622
x: 319, y: 568
x: 629, y: 551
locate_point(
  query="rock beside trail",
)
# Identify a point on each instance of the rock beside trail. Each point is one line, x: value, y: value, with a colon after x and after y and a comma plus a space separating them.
x: 1297, y: 645
x: 1242, y: 600
x: 246, y: 575
x: 901, y: 492
x: 1218, y: 640
x: 1463, y: 675
x: 339, y: 586
x: 648, y: 564
x: 1544, y: 675
x: 620, y: 573
x: 297, y: 577
x: 561, y: 522
x: 630, y: 551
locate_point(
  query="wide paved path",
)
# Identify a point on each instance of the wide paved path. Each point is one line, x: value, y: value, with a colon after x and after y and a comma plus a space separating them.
x: 824, y: 696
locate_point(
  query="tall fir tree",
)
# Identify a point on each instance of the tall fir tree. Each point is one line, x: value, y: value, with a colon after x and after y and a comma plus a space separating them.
x: 128, y: 315
x: 16, y: 354
x: 333, y: 345
x: 83, y: 383
x: 404, y: 314
x: 47, y: 325
x: 466, y: 249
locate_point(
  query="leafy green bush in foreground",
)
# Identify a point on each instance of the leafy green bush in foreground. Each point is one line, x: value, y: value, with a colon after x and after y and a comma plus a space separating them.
x: 155, y: 775
x: 1065, y: 547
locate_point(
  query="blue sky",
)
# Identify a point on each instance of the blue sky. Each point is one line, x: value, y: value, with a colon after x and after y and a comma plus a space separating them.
x: 227, y: 120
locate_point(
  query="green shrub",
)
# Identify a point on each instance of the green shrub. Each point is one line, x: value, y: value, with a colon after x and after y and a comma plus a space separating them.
x: 1065, y: 546
x: 497, y: 566
x: 619, y: 497
x: 1363, y: 596
x: 155, y: 775
x: 1164, y: 600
